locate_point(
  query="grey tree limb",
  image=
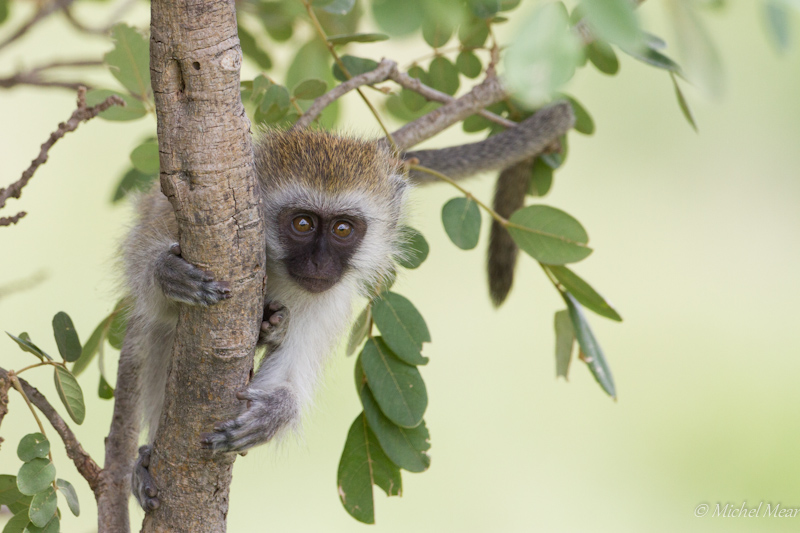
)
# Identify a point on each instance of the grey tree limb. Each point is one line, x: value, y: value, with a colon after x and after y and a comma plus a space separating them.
x: 207, y: 173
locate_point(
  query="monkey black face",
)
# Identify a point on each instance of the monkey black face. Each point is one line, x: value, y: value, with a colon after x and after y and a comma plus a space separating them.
x: 319, y: 246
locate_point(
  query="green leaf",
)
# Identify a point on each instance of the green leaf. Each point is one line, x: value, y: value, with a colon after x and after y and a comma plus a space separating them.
x: 778, y: 20
x: 4, y: 10
x: 462, y: 222
x: 355, y: 66
x: 69, y: 346
x: 17, y: 523
x: 335, y: 7
x: 402, y: 326
x: 468, y: 64
x: 407, y: 448
x: 134, y: 108
x: 104, y: 390
x: 24, y: 342
x: 436, y: 32
x: 543, y: 55
x: 35, y: 475
x: 145, y: 157
x: 398, y: 17
x: 583, y: 292
x: 443, y: 75
x: 699, y: 56
x: 416, y: 249
x: 475, y: 123
x: 31, y: 446
x: 133, y: 181
x: 397, y: 386
x: 277, y: 19
x: 70, y: 393
x: 360, y: 330
x: 613, y: 21
x: 118, y: 325
x: 92, y: 346
x: 53, y: 526
x: 654, y: 58
x: 310, y: 89
x: 412, y: 99
x: 549, y: 235
x: 69, y: 493
x: 591, y: 352
x: 363, y: 464
x: 603, y: 57
x: 251, y: 49
x: 11, y: 497
x: 687, y: 113
x: 129, y: 61
x: 274, y: 105
x: 473, y: 33
x: 43, y: 507
x: 357, y: 38
x: 565, y: 340
x: 583, y: 120
x: 541, y: 178
x: 484, y: 9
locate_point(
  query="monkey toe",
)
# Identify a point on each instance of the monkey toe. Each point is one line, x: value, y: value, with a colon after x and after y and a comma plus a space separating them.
x: 274, y: 325
x: 142, y: 484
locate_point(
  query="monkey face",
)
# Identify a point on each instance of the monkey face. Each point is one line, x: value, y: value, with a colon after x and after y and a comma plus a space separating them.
x: 318, y: 246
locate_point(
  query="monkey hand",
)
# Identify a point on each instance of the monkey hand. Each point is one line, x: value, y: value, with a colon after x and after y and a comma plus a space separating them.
x: 274, y: 326
x: 183, y: 282
x: 266, y: 413
x: 142, y: 484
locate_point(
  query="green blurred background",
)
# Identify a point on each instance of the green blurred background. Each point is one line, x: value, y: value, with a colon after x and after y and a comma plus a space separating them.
x: 696, y: 242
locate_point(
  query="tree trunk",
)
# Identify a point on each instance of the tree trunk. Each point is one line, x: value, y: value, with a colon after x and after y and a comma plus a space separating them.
x: 207, y: 173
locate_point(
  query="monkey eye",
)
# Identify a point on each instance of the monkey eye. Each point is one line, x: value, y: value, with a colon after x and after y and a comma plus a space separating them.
x: 303, y: 224
x: 342, y: 229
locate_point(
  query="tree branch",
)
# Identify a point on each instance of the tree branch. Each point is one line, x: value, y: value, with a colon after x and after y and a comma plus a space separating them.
x: 81, y: 114
x: 404, y: 80
x: 207, y: 173
x: 43, y: 12
x: 82, y: 460
x: 381, y: 73
x: 490, y: 91
x: 112, y: 504
x: 34, y: 76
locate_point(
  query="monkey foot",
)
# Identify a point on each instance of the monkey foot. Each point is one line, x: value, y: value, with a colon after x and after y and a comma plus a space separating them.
x: 142, y: 484
x: 274, y: 325
x: 267, y: 412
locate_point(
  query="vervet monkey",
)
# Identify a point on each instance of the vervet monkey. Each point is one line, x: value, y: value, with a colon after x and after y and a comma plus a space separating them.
x: 333, y: 208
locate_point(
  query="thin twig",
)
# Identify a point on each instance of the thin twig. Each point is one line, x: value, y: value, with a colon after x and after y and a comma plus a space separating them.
x: 46, y: 10
x: 81, y: 114
x: 21, y: 285
x: 321, y: 32
x: 5, y: 385
x: 82, y: 460
x: 34, y: 75
x: 9, y: 221
x: 413, y: 84
x: 381, y: 73
x: 489, y: 92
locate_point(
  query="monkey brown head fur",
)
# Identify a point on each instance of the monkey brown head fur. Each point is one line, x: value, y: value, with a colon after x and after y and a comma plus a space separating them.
x: 333, y: 206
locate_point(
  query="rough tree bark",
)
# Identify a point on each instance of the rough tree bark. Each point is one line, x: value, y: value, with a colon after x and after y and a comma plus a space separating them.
x: 207, y: 173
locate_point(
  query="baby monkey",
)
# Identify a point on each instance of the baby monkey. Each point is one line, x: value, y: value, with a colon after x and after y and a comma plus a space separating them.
x: 333, y: 208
